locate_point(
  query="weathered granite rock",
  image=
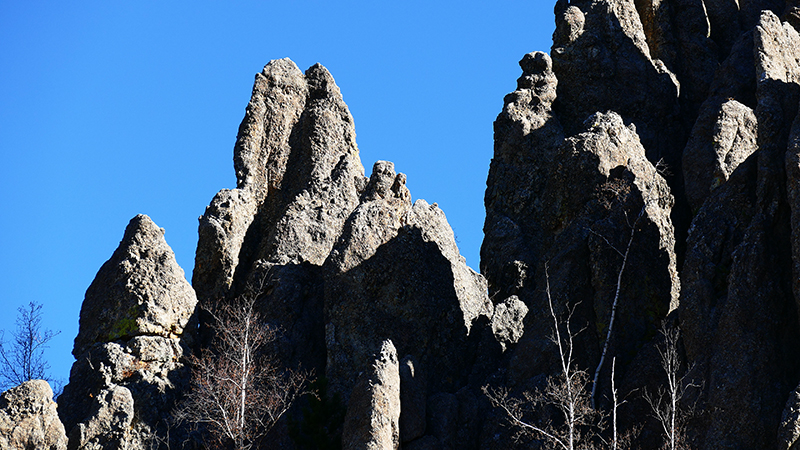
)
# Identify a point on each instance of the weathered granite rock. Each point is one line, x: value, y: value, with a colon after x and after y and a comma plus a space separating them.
x: 720, y: 141
x: 29, y: 418
x: 373, y: 411
x: 608, y: 67
x: 725, y: 130
x: 737, y: 309
x: 298, y: 179
x: 789, y: 429
x: 507, y: 321
x: 110, y: 424
x: 569, y: 202
x: 141, y: 290
x: 396, y: 274
x: 679, y: 35
x: 134, y: 370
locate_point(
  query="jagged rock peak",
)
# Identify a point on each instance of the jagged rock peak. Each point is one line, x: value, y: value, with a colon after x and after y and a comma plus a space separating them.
x: 298, y: 178
x: 141, y: 290
x: 29, y: 419
x: 603, y: 63
x: 384, y: 183
x: 281, y: 94
x: 396, y: 273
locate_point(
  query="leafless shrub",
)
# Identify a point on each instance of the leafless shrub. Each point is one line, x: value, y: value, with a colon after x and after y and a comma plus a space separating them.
x: 238, y: 390
x: 667, y: 402
x: 22, y: 358
x: 566, y: 392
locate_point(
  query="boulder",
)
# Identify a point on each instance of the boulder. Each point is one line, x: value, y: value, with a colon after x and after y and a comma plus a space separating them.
x: 29, y: 418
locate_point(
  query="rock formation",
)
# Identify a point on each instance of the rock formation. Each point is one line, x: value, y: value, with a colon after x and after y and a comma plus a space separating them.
x: 645, y: 172
x: 29, y: 418
x: 136, y: 325
x: 396, y: 274
x: 373, y: 417
x: 562, y: 211
x: 730, y: 76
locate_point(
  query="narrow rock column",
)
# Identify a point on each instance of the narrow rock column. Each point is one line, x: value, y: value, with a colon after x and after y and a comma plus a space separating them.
x: 373, y: 413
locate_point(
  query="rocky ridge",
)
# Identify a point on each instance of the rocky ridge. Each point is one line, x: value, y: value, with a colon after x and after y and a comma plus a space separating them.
x: 646, y: 170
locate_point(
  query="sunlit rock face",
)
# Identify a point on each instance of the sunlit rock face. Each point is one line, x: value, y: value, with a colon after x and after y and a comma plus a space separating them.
x: 29, y: 418
x: 137, y: 322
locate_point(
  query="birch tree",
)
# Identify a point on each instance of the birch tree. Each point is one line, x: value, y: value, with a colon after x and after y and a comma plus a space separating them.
x: 238, y: 391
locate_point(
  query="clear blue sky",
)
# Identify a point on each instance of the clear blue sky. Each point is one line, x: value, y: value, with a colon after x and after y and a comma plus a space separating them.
x: 111, y: 109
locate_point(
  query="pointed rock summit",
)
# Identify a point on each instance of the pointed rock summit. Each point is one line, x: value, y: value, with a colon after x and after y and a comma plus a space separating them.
x: 140, y: 291
x: 136, y: 321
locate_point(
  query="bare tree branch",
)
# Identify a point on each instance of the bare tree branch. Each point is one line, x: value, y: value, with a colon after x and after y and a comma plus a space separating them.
x: 238, y: 391
x: 22, y: 358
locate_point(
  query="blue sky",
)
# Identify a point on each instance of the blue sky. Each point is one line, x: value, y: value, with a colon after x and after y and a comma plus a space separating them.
x: 111, y: 109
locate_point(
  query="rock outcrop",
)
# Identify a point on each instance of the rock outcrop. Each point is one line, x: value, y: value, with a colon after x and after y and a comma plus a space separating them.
x: 29, y: 418
x: 661, y: 138
x: 373, y: 413
x: 136, y: 325
x: 737, y: 311
x: 298, y: 179
x: 562, y: 211
x: 140, y: 291
x: 396, y: 274
x: 340, y: 262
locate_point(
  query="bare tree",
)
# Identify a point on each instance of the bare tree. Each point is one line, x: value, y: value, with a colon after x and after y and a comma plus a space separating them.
x: 567, y: 392
x: 619, y: 192
x: 22, y: 358
x: 666, y: 403
x: 615, y: 302
x: 238, y: 390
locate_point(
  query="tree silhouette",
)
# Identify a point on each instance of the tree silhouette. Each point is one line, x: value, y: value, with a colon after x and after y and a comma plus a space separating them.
x: 22, y: 358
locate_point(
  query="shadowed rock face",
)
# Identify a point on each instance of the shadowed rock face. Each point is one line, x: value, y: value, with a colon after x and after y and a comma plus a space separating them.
x: 738, y: 310
x: 29, y: 419
x: 136, y: 322
x: 568, y: 203
x: 726, y: 71
x: 414, y: 288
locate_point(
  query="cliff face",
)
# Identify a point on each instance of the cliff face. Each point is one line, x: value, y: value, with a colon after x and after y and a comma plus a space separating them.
x: 711, y: 90
x: 646, y: 170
